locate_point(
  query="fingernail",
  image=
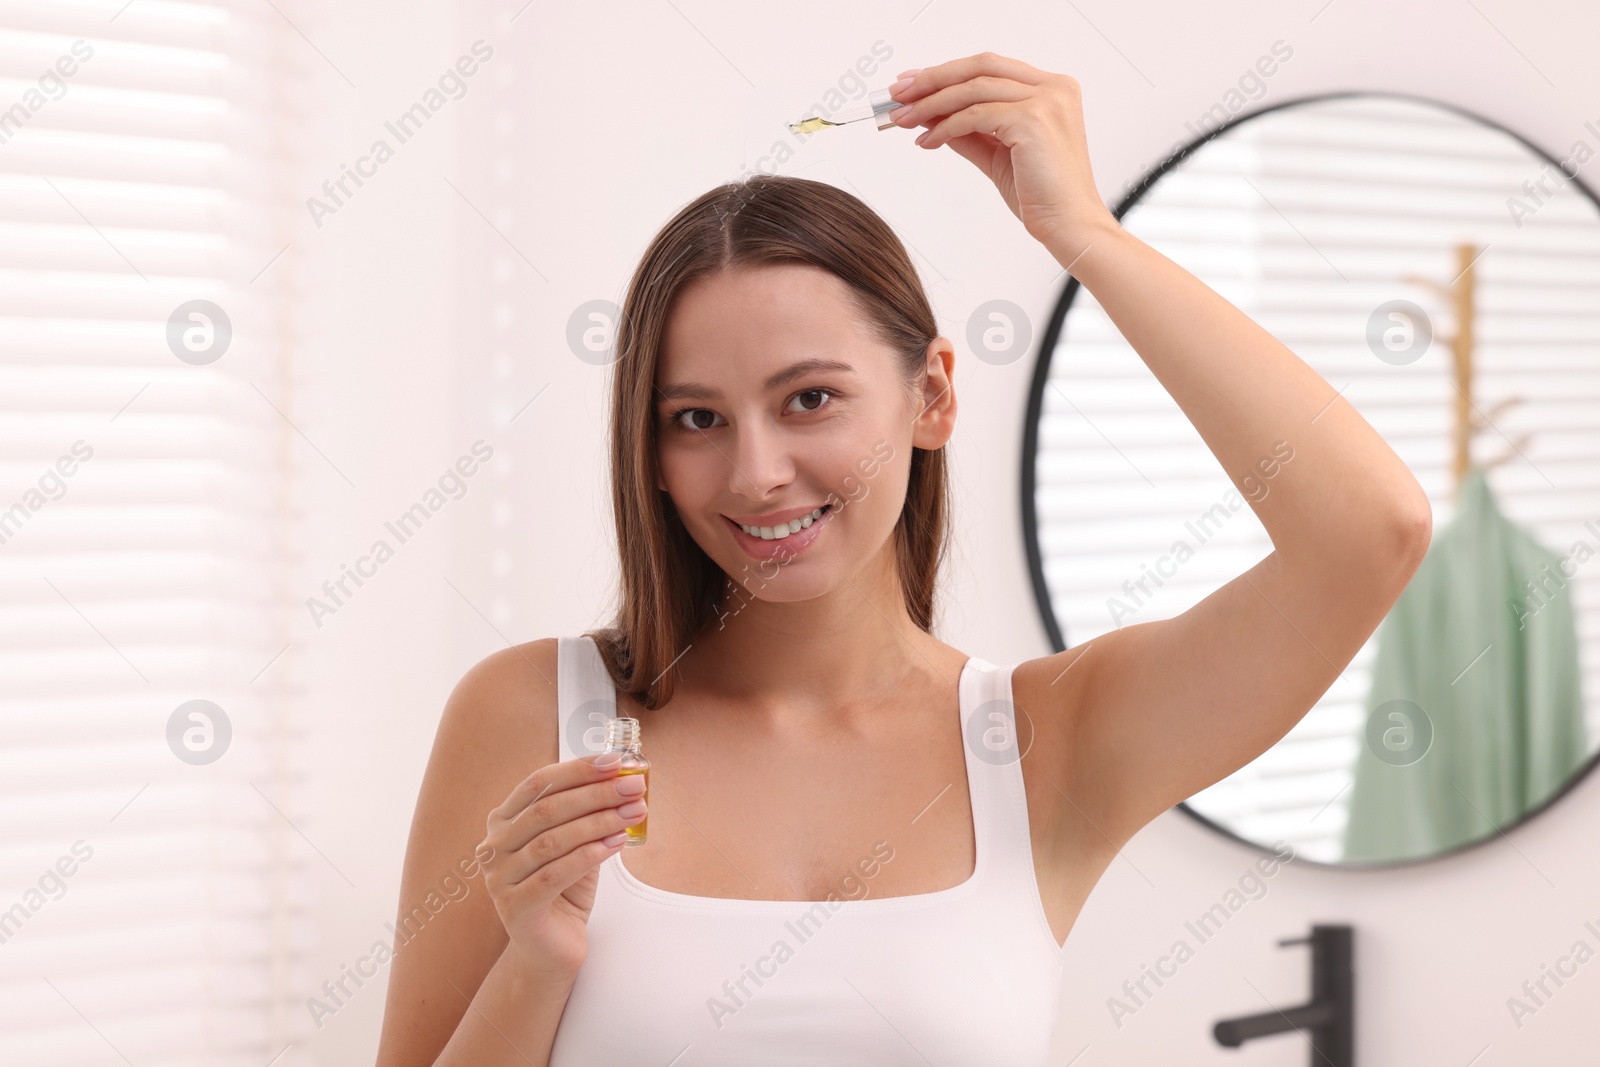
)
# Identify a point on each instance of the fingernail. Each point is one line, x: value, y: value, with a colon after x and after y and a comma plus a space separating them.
x: 606, y: 761
x: 894, y: 90
x: 613, y: 840
x: 923, y: 136
x: 912, y: 73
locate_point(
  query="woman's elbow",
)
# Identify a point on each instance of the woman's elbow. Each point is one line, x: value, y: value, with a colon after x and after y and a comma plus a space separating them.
x: 1410, y: 535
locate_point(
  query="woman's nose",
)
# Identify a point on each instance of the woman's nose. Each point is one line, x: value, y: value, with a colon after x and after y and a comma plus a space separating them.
x: 760, y: 460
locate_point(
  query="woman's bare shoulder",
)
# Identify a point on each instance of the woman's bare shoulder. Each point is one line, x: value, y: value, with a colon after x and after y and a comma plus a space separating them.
x: 1049, y: 690
x: 498, y: 727
x: 504, y: 707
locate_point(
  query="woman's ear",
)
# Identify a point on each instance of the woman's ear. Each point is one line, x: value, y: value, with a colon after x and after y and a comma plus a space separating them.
x: 937, y: 422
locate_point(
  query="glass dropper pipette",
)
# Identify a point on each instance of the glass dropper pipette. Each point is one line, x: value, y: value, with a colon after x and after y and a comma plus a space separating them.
x: 883, y: 106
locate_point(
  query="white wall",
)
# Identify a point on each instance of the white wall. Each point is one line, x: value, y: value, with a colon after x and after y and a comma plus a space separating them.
x: 425, y: 329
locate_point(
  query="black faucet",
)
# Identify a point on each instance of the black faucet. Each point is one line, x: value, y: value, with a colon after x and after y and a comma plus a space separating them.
x: 1328, y: 1020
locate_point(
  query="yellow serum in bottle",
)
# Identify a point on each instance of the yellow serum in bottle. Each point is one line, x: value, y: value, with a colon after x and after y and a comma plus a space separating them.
x: 622, y: 737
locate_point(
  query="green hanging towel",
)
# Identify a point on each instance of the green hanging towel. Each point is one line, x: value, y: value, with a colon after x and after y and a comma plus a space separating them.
x: 1482, y: 641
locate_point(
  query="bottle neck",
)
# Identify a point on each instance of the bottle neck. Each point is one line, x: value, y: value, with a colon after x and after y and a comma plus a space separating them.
x: 622, y: 735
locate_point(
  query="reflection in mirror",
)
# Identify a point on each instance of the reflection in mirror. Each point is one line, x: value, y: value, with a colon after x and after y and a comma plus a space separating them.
x: 1444, y: 278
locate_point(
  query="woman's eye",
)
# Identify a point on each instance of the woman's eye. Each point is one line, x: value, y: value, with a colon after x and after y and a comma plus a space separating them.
x: 819, y: 393
x: 693, y: 417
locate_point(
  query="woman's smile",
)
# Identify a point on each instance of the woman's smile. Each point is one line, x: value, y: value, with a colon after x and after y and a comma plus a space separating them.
x: 786, y: 539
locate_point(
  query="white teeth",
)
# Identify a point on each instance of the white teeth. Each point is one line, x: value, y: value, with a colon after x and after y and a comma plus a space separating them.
x: 778, y: 533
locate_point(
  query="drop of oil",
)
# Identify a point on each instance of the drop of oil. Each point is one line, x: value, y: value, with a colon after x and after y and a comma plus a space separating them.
x: 811, y: 125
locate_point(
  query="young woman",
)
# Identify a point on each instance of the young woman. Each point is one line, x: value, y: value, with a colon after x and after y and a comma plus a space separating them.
x: 852, y: 856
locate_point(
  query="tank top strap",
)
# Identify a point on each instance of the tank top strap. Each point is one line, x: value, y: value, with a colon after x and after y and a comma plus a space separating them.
x: 995, y: 743
x: 586, y: 698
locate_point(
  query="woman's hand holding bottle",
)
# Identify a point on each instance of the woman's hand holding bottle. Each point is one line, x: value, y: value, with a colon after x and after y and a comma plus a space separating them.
x: 549, y: 838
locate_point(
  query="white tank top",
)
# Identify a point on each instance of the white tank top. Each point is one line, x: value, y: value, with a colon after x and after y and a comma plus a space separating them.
x: 969, y: 974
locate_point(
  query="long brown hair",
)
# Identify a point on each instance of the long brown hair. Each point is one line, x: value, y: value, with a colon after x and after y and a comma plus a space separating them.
x: 670, y: 588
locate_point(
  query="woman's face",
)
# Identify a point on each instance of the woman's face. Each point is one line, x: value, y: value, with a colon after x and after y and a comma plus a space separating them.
x: 773, y: 399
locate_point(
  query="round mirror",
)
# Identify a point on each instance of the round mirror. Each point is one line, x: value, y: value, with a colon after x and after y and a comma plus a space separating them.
x: 1444, y: 277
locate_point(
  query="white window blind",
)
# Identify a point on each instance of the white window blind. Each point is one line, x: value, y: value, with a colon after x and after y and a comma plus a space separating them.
x: 1308, y: 218
x: 149, y: 906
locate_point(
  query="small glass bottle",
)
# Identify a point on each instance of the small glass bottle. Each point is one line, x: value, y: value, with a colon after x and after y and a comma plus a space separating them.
x: 622, y: 736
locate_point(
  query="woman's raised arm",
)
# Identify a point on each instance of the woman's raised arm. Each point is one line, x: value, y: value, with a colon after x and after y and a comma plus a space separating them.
x: 1163, y: 709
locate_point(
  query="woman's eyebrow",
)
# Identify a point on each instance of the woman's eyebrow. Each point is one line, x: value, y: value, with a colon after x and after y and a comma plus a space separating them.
x: 693, y: 391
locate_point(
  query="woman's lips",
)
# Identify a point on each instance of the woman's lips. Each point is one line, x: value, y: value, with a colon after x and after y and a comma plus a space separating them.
x: 779, y: 548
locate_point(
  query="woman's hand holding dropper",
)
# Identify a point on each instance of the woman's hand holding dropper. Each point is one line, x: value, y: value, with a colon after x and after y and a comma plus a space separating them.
x: 1021, y: 126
